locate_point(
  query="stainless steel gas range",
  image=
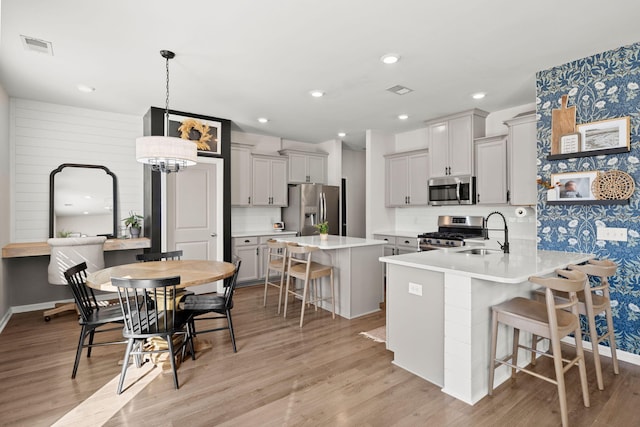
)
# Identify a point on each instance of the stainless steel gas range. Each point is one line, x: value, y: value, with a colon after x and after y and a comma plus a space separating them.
x: 452, y: 232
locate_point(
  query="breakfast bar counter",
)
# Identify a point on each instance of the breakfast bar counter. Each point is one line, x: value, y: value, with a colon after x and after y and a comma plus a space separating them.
x: 439, y: 311
x: 358, y: 273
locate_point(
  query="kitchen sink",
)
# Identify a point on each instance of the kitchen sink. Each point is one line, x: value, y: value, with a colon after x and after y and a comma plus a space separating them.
x: 480, y: 251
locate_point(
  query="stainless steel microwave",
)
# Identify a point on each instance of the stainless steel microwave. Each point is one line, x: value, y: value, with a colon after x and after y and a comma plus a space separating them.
x: 452, y: 190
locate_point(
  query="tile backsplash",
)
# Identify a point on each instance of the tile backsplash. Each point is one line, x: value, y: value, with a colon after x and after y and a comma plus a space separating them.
x: 253, y: 219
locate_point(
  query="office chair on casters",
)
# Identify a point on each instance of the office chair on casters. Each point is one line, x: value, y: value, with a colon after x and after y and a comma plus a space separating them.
x: 68, y: 252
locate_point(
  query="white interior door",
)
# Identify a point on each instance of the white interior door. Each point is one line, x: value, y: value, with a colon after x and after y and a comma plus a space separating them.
x: 194, y: 213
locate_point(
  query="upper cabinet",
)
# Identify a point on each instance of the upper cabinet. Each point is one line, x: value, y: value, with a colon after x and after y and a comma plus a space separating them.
x: 269, y: 181
x: 451, y: 142
x: 522, y: 155
x: 240, y: 175
x: 306, y: 167
x: 491, y: 170
x: 406, y: 179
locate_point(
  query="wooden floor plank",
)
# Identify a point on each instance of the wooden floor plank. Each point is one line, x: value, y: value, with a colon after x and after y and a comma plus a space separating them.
x: 322, y: 374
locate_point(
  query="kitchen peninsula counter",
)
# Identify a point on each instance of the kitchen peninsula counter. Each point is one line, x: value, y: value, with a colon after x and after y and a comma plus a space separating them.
x: 439, y: 311
x: 357, y: 271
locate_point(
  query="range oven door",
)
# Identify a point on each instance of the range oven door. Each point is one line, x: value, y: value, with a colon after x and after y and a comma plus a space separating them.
x: 452, y: 190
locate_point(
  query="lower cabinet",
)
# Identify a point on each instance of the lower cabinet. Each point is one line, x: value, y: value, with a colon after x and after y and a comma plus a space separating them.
x: 398, y: 245
x: 253, y: 252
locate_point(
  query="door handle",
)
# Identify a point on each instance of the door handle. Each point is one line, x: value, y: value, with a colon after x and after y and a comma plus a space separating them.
x: 214, y: 234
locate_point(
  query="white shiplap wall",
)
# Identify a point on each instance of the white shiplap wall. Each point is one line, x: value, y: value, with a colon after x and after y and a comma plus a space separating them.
x: 43, y: 136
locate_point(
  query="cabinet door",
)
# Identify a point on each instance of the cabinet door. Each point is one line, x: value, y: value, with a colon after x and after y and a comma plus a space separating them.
x: 240, y: 177
x: 298, y: 168
x: 316, y: 169
x: 418, y: 167
x: 491, y: 170
x: 439, y: 149
x: 397, y: 184
x: 461, y: 146
x: 279, y: 183
x: 261, y: 173
x: 522, y: 161
x: 250, y: 267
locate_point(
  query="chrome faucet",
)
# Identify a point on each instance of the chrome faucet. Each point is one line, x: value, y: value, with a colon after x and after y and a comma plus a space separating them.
x: 504, y: 247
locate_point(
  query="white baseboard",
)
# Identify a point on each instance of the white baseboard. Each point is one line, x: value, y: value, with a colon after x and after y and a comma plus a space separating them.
x: 5, y: 319
x: 39, y: 306
x: 623, y: 356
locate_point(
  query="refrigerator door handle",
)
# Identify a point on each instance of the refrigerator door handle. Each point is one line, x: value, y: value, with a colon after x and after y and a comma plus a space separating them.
x: 323, y: 207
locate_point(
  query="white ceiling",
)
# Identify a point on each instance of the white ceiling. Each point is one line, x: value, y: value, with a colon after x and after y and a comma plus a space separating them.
x: 244, y: 59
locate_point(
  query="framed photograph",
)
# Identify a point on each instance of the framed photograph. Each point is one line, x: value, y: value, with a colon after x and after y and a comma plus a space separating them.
x: 574, y: 186
x: 605, y: 135
x: 570, y: 143
x: 205, y: 133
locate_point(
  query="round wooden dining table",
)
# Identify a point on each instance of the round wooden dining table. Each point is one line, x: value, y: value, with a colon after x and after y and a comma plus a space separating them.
x: 191, y: 272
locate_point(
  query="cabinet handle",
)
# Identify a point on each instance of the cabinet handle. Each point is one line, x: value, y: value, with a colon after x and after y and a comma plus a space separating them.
x: 249, y: 199
x: 408, y: 200
x: 478, y: 198
x: 257, y: 252
x: 247, y: 241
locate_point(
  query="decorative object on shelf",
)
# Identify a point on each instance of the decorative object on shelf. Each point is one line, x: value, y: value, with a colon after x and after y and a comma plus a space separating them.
x: 134, y: 222
x: 563, y: 122
x: 570, y: 143
x: 204, y: 133
x: 605, y: 135
x: 166, y: 153
x: 575, y: 185
x: 323, y: 229
x: 191, y: 126
x: 547, y: 184
x: 613, y: 185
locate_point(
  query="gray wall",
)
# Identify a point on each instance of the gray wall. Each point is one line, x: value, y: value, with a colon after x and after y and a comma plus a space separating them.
x: 4, y: 197
x: 353, y: 170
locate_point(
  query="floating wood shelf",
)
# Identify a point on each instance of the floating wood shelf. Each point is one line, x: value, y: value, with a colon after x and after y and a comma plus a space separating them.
x: 606, y: 152
x: 17, y: 250
x: 587, y: 202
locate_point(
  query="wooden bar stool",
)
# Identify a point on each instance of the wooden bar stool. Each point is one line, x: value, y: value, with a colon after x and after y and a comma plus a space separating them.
x: 276, y: 261
x: 304, y: 269
x: 550, y: 320
x: 590, y: 305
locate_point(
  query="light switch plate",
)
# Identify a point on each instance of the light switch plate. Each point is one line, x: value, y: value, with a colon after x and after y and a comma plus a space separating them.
x: 612, y: 233
x: 415, y: 289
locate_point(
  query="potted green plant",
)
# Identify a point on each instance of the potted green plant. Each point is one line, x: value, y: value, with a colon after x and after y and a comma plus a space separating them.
x: 323, y: 229
x: 134, y: 222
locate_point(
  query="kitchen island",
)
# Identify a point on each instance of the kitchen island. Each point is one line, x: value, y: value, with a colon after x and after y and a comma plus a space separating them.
x: 357, y: 272
x: 439, y: 311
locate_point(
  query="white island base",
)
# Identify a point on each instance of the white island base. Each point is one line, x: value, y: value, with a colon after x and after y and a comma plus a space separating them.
x: 439, y: 313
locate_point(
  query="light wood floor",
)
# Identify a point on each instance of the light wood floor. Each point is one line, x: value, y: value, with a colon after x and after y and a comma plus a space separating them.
x: 323, y: 374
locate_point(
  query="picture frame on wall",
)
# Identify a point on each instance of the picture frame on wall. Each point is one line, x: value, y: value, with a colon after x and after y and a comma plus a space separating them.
x: 570, y: 143
x: 604, y: 135
x: 574, y: 186
x: 204, y: 133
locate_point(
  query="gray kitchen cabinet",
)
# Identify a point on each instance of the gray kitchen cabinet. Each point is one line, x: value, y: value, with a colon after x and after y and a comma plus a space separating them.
x: 451, y: 142
x: 240, y: 175
x: 246, y: 249
x: 269, y: 183
x: 406, y: 179
x: 398, y: 245
x: 491, y: 170
x: 522, y: 155
x: 305, y: 167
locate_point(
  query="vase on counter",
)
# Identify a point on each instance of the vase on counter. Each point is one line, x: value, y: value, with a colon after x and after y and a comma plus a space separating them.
x: 324, y: 236
x: 134, y: 232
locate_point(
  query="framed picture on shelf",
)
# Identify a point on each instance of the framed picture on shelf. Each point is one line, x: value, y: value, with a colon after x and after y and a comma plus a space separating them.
x: 605, y: 135
x: 573, y: 186
x: 204, y: 133
x: 570, y: 143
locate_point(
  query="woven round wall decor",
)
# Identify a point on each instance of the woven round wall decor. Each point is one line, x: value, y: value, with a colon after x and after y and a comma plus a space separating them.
x: 613, y: 185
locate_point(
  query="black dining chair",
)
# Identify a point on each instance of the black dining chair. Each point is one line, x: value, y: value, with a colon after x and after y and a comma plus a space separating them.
x: 159, y: 256
x: 92, y: 316
x: 197, y: 306
x: 149, y: 309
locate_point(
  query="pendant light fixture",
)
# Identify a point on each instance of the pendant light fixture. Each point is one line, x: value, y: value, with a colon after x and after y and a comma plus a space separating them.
x: 166, y: 153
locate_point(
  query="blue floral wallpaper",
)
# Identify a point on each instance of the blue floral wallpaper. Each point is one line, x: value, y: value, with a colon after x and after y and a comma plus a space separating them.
x: 602, y: 86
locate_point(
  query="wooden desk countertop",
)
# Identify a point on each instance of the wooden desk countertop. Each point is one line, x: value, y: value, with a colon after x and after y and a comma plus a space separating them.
x: 17, y: 250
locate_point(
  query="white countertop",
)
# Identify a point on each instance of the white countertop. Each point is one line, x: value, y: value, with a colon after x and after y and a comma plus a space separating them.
x: 332, y: 242
x: 399, y: 233
x: 262, y: 233
x: 496, y: 267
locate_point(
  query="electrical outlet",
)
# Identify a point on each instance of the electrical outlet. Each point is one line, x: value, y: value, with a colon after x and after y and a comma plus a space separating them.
x: 612, y: 233
x: 415, y: 289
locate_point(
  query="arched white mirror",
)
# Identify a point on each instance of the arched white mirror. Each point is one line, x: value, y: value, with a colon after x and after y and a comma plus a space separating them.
x: 83, y: 201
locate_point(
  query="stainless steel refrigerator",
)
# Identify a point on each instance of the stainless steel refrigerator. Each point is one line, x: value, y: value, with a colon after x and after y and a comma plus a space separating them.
x: 310, y: 204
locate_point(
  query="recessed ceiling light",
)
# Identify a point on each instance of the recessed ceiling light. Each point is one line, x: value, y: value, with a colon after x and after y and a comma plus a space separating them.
x: 263, y: 120
x: 317, y: 93
x: 390, y: 58
x: 85, y: 88
x: 403, y: 117
x: 342, y: 134
x: 479, y: 95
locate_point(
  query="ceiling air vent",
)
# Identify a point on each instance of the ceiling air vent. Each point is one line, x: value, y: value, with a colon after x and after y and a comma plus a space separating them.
x: 399, y: 90
x: 37, y: 45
